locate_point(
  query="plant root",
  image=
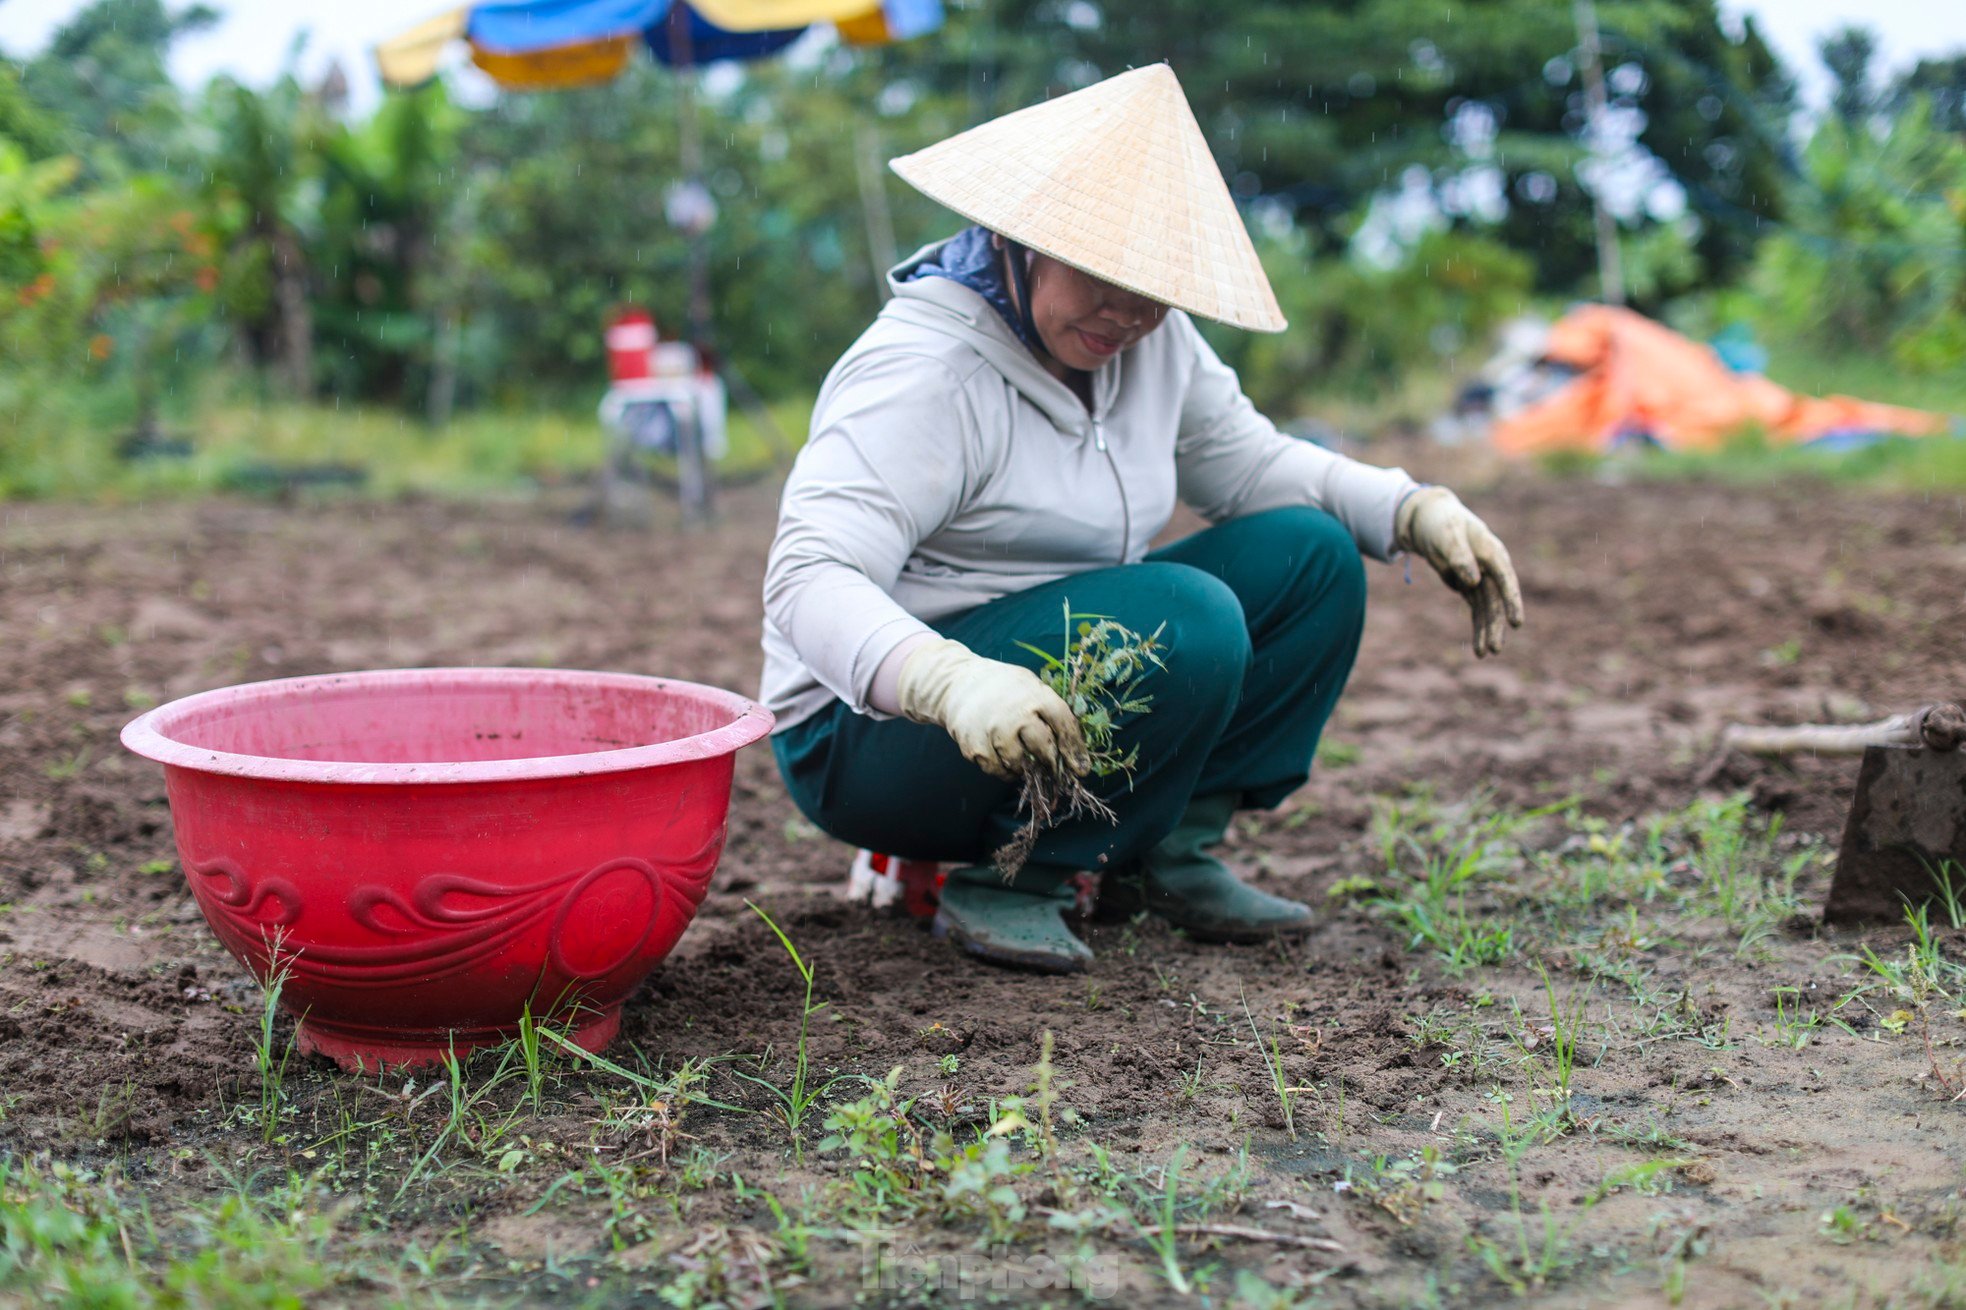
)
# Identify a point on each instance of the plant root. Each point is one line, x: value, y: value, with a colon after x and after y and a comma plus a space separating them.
x: 1050, y: 797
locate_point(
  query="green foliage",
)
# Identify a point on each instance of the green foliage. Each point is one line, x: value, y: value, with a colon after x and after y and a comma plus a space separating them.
x: 1542, y: 1251
x: 22, y: 122
x: 1874, y: 253
x: 899, y: 1168
x: 108, y: 287
x: 1404, y: 1188
x: 1481, y: 887
x: 1434, y: 862
x: 1949, y: 882
x: 1164, y: 1235
x: 69, y: 1238
x: 567, y: 219
x: 103, y: 83
x: 1943, y: 82
x: 1919, y: 976
x: 1357, y: 329
x: 68, y: 438
x: 877, y: 1132
x: 436, y: 258
x: 394, y: 258
x: 1847, y: 54
x: 1566, y: 1029
x: 261, y: 189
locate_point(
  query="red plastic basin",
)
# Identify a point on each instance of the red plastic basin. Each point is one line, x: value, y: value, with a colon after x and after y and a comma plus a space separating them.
x: 434, y: 850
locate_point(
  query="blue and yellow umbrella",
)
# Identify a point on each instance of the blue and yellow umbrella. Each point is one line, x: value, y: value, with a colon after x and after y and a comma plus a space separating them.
x: 544, y: 44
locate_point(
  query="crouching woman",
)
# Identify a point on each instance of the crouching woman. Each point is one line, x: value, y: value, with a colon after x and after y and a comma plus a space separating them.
x: 1004, y: 442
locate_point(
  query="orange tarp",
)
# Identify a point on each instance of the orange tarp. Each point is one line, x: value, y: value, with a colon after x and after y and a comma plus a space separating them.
x: 1639, y: 376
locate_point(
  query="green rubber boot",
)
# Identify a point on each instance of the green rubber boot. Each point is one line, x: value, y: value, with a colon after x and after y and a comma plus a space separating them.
x: 1019, y: 923
x: 1182, y: 883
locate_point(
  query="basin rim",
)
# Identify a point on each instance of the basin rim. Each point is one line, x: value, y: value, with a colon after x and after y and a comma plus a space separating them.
x: 147, y: 734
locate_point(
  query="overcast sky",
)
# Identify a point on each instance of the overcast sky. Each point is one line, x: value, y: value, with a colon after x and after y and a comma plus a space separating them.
x: 252, y: 41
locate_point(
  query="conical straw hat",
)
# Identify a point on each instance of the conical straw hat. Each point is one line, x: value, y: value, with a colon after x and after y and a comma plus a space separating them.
x: 1114, y: 180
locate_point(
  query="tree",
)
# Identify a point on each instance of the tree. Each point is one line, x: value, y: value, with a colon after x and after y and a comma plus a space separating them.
x: 1848, y: 54
x: 1717, y: 113
x: 1943, y: 83
x: 23, y: 122
x: 258, y: 174
x: 387, y: 186
x: 1874, y: 257
x: 103, y: 78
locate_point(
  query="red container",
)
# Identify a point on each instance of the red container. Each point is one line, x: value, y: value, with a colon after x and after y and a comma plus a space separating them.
x: 631, y: 347
x: 433, y: 850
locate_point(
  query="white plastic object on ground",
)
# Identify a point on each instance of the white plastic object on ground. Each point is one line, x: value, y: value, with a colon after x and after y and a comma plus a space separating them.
x: 879, y: 888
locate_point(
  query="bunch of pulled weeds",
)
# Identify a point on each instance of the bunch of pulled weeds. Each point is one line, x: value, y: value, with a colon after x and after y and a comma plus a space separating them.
x: 1098, y: 675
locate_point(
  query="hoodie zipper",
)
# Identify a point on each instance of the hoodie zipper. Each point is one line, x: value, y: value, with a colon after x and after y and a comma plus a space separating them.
x: 1126, y: 512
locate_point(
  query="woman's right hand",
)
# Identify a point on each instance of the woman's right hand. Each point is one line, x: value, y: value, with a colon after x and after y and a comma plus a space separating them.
x: 1002, y: 716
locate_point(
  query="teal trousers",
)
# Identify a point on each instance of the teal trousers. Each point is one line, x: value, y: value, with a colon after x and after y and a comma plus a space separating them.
x: 1262, y: 616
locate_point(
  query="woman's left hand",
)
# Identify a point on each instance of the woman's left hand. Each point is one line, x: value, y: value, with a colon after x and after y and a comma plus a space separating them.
x: 1433, y: 523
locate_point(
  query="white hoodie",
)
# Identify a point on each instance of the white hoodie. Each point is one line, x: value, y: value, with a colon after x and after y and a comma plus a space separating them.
x: 946, y: 468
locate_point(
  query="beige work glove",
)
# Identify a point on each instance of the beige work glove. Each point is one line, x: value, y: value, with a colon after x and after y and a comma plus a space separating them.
x: 1002, y: 716
x: 1434, y: 524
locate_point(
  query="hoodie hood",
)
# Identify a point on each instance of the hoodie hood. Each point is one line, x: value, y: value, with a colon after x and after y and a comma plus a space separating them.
x: 940, y: 302
x: 971, y: 258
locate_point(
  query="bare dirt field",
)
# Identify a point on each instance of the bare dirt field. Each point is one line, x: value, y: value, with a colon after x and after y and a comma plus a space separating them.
x: 1568, y: 1028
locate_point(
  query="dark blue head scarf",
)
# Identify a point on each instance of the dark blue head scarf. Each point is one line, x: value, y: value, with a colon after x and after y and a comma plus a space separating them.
x: 969, y: 258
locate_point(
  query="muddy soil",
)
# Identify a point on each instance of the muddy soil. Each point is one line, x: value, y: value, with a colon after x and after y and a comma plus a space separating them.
x: 1657, y: 614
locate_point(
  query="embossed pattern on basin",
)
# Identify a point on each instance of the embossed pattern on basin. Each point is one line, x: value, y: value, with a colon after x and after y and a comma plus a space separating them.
x: 434, y: 850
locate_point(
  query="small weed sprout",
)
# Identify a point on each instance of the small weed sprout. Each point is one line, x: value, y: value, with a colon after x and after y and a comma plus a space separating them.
x: 1566, y: 1027
x: 64, y: 769
x: 271, y: 1060
x: 658, y: 1107
x: 115, y: 1106
x: 1542, y: 1253
x: 1272, y: 1054
x: 878, y: 1134
x: 456, y: 1120
x: 1165, y: 1235
x: 1099, y: 677
x: 1453, y: 853
x: 1950, y: 882
x: 1921, y: 976
x: 1192, y: 1083
x: 528, y: 1043
x: 1045, y: 1086
x: 795, y: 1101
x: 1792, y: 1026
x: 1405, y: 1188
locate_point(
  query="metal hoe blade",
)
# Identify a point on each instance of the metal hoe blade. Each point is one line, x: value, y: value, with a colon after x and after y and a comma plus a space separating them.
x: 1907, y: 821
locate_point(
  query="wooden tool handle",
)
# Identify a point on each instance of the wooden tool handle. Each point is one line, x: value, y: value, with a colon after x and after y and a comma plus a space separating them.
x: 1940, y: 727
